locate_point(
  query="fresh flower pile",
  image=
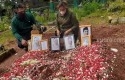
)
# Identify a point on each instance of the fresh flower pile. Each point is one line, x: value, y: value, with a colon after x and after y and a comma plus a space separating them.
x: 81, y: 63
x: 87, y: 64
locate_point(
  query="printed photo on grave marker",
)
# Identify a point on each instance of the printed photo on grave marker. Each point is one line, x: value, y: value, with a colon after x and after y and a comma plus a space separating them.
x: 69, y: 42
x: 55, y: 43
x: 44, y: 45
x: 35, y: 42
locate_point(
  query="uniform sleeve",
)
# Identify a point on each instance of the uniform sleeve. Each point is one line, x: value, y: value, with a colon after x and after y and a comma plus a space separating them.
x: 74, y: 22
x: 57, y: 23
x: 15, y: 32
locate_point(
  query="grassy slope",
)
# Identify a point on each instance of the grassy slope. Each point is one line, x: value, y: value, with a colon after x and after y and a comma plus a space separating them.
x: 6, y: 36
x: 96, y: 18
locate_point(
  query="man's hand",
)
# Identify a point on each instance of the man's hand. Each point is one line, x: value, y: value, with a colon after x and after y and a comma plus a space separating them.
x: 58, y: 32
x: 24, y: 42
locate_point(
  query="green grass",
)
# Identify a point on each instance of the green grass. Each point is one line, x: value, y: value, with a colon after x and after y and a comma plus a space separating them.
x: 6, y: 36
x: 100, y: 17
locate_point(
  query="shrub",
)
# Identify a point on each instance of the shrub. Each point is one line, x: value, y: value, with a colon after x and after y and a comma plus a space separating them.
x: 86, y: 9
x: 91, y: 7
x: 4, y: 23
x: 79, y: 12
x: 46, y: 17
x: 116, y: 6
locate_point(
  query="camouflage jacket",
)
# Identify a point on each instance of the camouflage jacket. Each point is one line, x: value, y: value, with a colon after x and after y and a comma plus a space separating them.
x: 68, y: 21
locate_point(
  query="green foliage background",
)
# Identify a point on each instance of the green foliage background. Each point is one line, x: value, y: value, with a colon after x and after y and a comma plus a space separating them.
x: 95, y: 12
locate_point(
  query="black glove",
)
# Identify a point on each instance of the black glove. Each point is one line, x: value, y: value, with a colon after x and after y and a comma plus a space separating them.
x: 61, y: 34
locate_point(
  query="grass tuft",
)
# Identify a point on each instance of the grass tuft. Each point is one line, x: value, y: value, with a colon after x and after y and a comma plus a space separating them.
x: 6, y: 36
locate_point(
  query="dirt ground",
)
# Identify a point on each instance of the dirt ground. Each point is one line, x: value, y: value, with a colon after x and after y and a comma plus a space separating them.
x: 116, y: 34
x: 113, y: 33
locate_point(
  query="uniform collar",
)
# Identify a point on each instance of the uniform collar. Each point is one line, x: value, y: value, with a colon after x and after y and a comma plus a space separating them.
x: 67, y: 12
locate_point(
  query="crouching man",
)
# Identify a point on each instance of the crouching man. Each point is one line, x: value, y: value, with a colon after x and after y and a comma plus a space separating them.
x: 22, y: 25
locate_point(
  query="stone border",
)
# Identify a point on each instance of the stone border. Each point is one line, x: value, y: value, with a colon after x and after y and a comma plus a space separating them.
x: 6, y: 54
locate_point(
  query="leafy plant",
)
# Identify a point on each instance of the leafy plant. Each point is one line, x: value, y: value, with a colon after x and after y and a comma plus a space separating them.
x: 91, y: 7
x: 46, y: 17
x: 116, y: 6
x: 4, y: 23
x: 79, y: 13
x: 86, y: 9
